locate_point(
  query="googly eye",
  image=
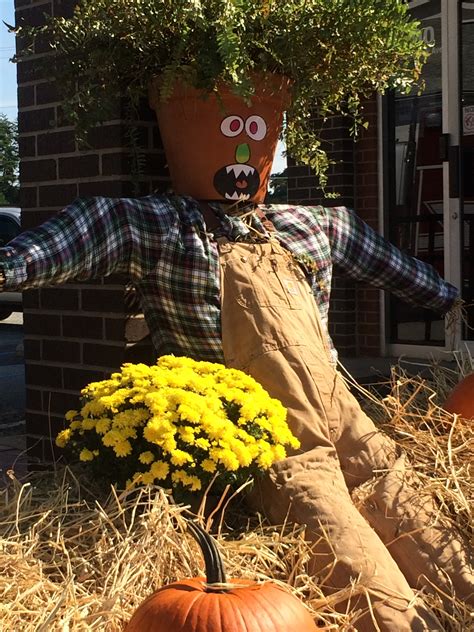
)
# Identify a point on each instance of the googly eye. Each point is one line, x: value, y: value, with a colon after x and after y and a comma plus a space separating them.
x: 256, y: 127
x: 232, y: 125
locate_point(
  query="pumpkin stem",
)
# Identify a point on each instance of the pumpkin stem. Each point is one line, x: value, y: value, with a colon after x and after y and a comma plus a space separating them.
x: 215, y: 571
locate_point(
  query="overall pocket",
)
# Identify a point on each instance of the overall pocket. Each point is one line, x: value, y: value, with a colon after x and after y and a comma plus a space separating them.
x: 268, y: 280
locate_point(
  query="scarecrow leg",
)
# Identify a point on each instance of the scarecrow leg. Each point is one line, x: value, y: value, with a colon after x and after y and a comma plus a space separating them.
x: 403, y: 513
x: 272, y: 330
x: 309, y: 488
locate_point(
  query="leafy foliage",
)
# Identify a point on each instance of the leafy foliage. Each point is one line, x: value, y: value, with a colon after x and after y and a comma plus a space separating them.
x: 9, y: 189
x: 278, y: 188
x: 335, y: 52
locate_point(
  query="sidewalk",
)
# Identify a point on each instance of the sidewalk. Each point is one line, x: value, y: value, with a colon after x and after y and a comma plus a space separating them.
x: 12, y: 457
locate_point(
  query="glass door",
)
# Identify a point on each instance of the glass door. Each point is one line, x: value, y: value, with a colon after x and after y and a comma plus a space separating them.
x: 422, y: 197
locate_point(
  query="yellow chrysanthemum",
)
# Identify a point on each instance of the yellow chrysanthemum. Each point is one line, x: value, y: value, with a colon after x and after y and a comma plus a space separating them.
x: 180, y: 457
x: 112, y: 437
x: 208, y: 465
x: 86, y: 455
x: 186, y: 434
x: 201, y: 417
x: 88, y: 424
x: 146, y: 457
x: 202, y: 443
x: 122, y: 448
x: 63, y: 438
x: 160, y: 470
x: 193, y: 482
x: 102, y: 425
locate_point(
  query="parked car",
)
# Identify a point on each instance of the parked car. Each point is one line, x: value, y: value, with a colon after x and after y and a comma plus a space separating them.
x: 9, y: 228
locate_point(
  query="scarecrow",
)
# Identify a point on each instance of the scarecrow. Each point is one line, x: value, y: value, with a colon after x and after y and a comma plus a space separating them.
x: 223, y: 277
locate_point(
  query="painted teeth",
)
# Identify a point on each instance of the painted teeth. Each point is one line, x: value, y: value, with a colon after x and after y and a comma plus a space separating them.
x: 239, y: 169
x: 237, y: 196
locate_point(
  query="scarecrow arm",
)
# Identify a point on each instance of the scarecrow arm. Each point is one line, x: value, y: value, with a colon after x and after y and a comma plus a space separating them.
x: 91, y: 238
x: 364, y: 255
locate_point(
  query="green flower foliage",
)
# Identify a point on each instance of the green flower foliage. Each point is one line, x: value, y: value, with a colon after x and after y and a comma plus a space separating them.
x: 335, y: 52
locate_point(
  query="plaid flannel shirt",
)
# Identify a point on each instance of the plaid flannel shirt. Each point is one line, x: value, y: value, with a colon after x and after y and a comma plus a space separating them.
x: 162, y: 245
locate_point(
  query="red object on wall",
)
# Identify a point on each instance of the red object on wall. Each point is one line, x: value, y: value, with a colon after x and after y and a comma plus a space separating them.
x: 461, y: 398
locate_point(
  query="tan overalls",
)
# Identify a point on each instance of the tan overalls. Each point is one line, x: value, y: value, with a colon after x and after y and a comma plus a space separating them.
x: 271, y: 329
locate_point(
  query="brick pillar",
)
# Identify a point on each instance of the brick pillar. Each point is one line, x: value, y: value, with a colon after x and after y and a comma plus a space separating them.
x: 80, y: 331
x: 303, y: 188
x: 354, y: 307
x: 367, y: 205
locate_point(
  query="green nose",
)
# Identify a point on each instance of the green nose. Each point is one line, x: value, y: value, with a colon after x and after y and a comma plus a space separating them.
x: 242, y: 153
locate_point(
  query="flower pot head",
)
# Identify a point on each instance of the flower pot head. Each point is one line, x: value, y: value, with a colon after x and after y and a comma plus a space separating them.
x: 218, y: 146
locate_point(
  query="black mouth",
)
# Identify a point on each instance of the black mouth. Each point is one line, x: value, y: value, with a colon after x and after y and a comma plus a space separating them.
x: 237, y: 182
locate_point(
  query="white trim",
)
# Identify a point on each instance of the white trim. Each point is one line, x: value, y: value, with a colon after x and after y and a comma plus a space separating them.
x: 451, y: 206
x: 412, y: 4
x: 451, y: 210
x: 419, y: 351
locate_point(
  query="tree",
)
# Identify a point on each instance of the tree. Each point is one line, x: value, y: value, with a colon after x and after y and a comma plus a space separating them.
x: 9, y: 159
x: 278, y: 188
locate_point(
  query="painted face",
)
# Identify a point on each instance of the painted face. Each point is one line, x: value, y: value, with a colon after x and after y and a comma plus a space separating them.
x: 240, y: 180
x: 220, y: 148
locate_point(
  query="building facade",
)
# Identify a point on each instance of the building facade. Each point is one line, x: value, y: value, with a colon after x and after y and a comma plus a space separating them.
x: 413, y: 180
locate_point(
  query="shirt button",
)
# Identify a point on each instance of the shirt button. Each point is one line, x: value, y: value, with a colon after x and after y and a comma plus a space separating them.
x: 243, y: 259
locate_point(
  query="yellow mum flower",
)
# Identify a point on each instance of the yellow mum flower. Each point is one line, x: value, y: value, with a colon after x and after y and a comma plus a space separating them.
x: 88, y: 424
x: 93, y: 409
x: 122, y: 448
x: 112, y: 437
x: 160, y: 470
x: 180, y: 457
x: 265, y: 460
x: 102, y: 425
x: 179, y: 476
x: 147, y: 478
x: 202, y: 443
x: 63, y: 438
x: 228, y: 460
x: 186, y: 434
x: 86, y: 455
x: 146, y: 457
x: 208, y: 465
x: 169, y: 444
x: 69, y: 416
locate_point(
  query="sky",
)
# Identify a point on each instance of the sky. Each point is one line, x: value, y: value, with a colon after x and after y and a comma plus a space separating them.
x: 8, y: 95
x: 8, y: 98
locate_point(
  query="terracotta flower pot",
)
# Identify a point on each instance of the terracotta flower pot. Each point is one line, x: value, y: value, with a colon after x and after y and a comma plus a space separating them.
x: 217, y: 146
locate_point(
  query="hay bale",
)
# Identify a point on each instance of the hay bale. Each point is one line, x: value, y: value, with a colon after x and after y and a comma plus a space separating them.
x: 70, y: 560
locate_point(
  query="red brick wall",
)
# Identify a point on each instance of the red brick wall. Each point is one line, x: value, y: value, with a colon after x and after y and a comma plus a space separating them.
x: 80, y: 331
x: 366, y: 201
x: 354, y: 307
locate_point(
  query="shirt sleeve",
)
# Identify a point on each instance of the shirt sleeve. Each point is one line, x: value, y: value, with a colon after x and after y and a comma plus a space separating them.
x: 365, y: 255
x: 91, y: 238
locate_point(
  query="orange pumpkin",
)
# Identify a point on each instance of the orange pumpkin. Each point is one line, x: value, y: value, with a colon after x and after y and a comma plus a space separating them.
x: 461, y: 398
x: 215, y: 604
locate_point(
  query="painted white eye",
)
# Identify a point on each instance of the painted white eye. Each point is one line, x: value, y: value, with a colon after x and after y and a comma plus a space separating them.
x: 256, y: 127
x: 232, y: 125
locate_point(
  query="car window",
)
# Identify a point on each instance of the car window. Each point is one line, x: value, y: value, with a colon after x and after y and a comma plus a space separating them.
x: 8, y: 230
